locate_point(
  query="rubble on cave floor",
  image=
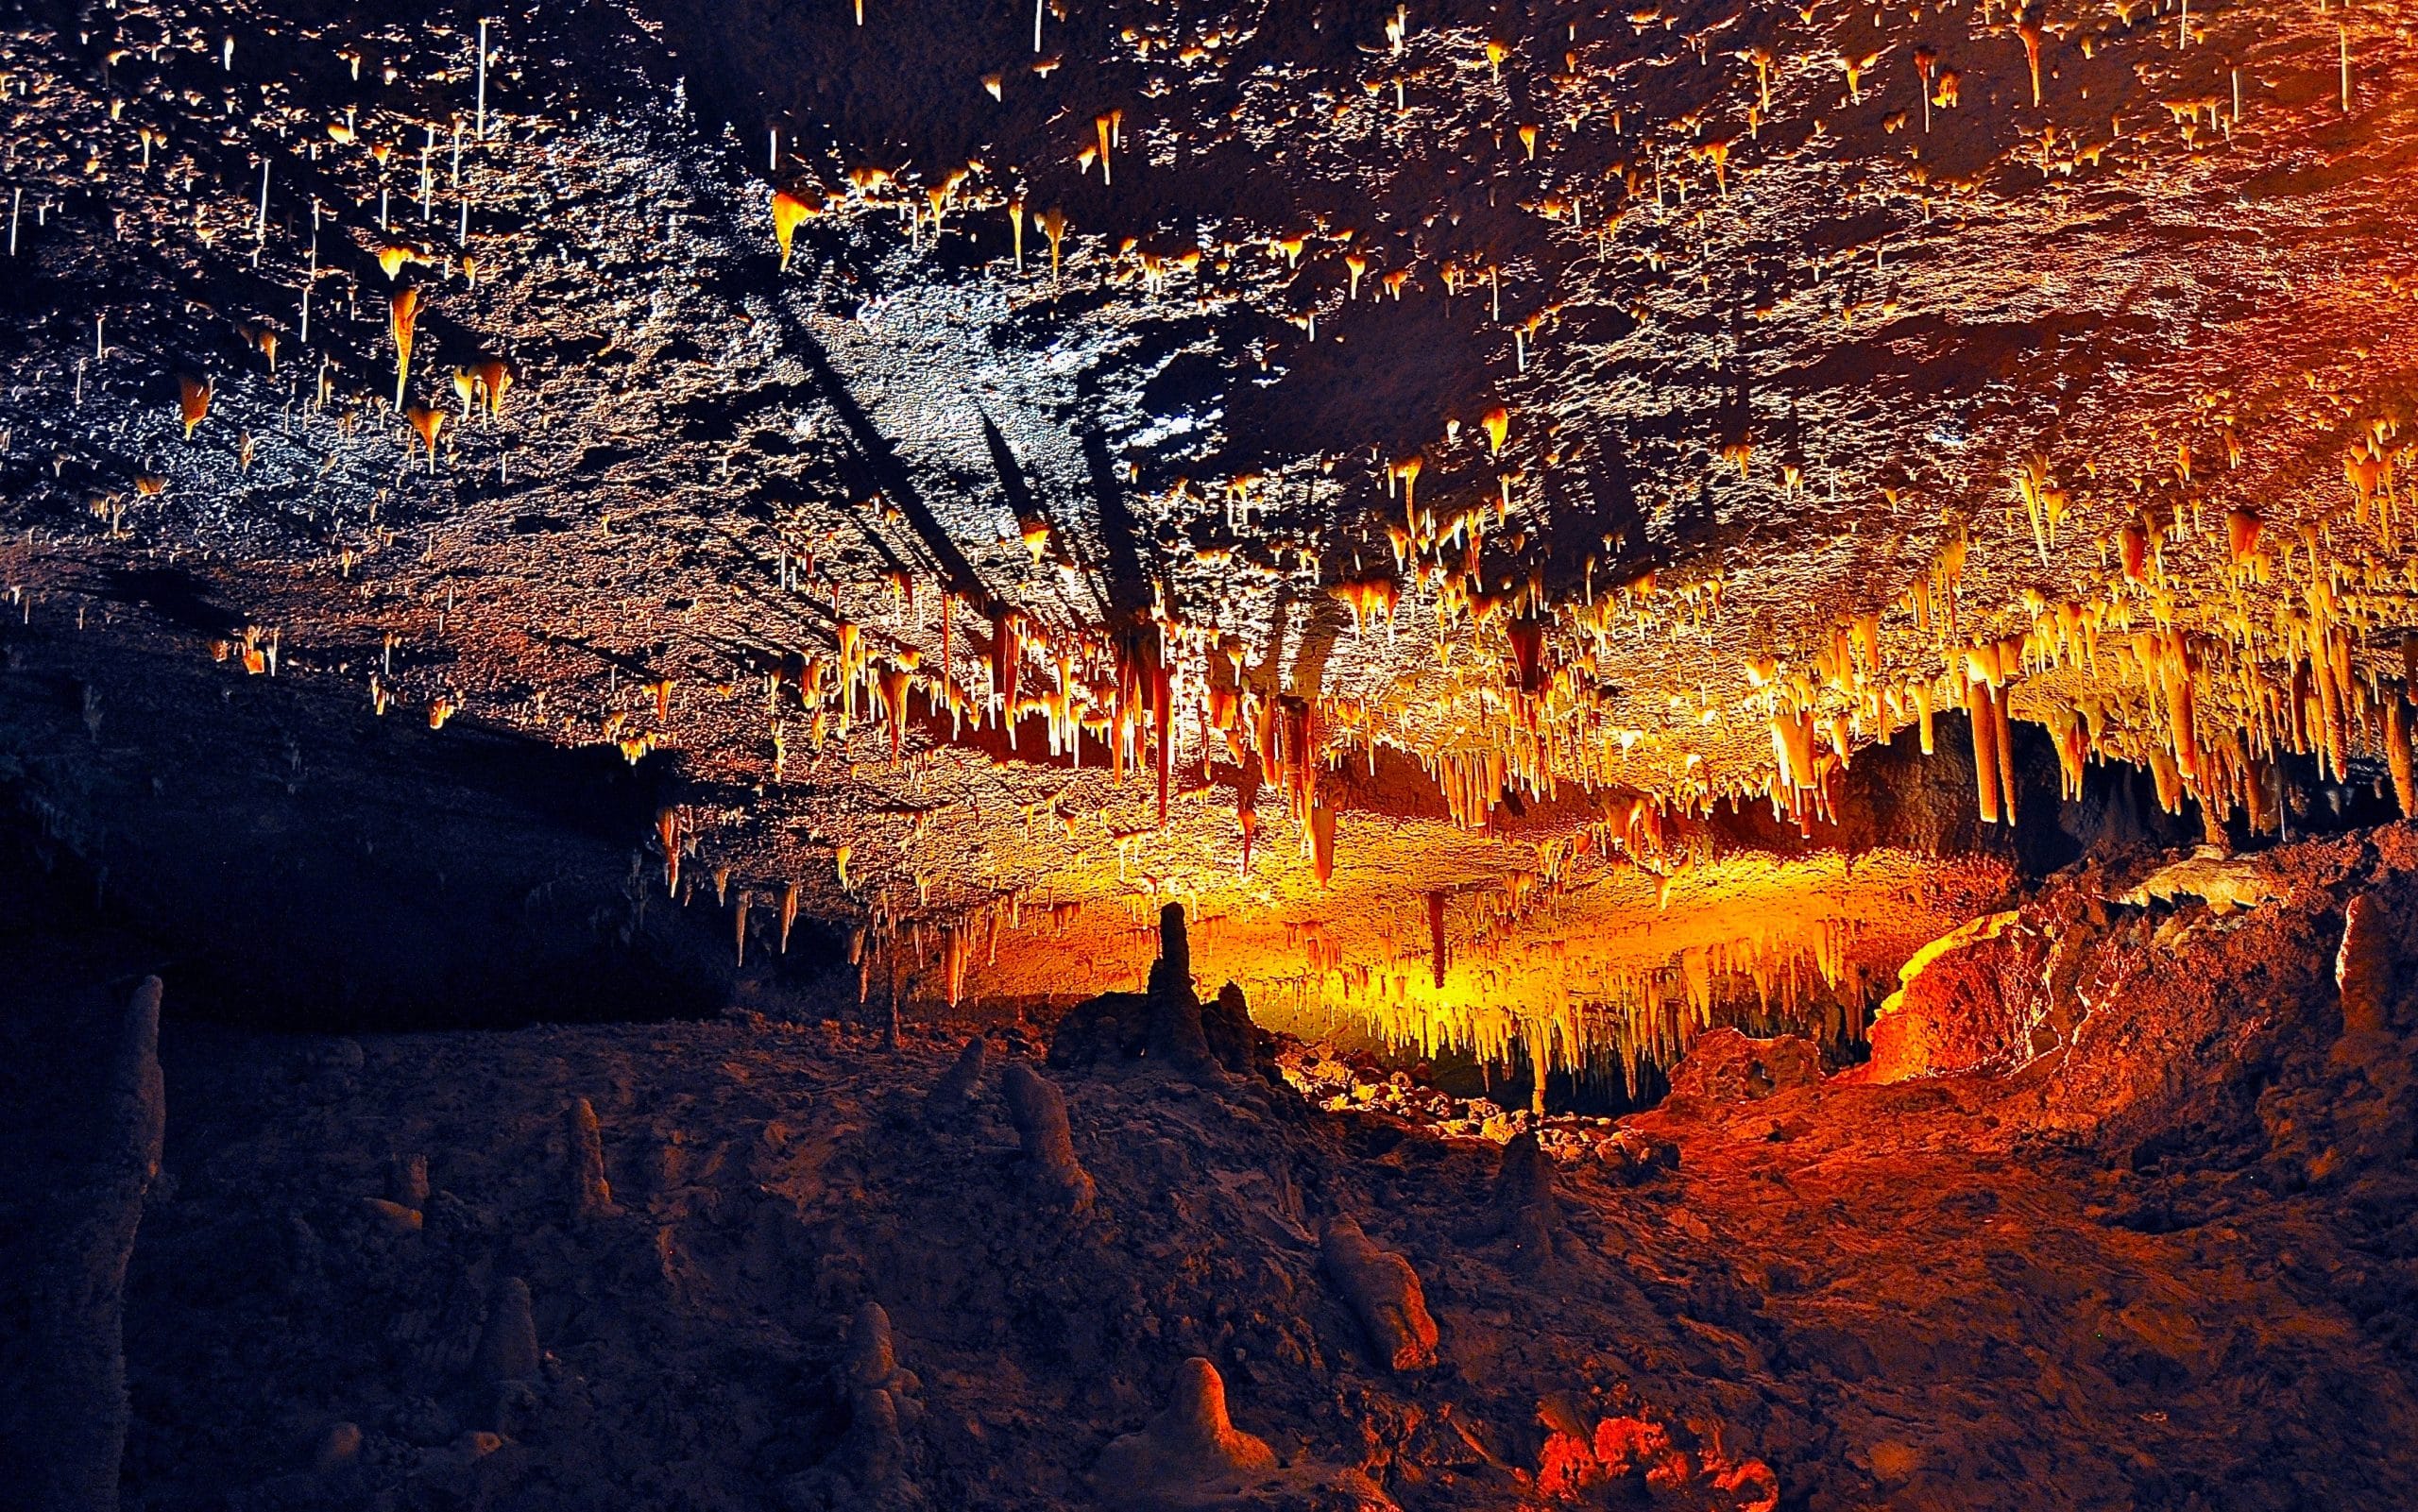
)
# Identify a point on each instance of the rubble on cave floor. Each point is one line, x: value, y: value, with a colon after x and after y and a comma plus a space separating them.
x: 2156, y: 1265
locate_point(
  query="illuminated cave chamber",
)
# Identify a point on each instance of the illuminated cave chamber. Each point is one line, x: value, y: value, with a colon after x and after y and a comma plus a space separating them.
x: 1273, y: 752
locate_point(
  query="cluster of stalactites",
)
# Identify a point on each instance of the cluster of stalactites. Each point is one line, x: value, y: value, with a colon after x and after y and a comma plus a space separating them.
x: 1503, y: 993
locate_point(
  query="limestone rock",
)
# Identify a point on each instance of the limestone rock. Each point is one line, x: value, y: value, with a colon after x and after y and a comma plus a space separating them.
x: 592, y: 1195
x: 2221, y: 882
x: 1108, y: 1030
x: 1383, y: 1292
x: 410, y: 1181
x: 139, y: 1109
x: 1633, y: 1155
x: 1233, y: 1038
x: 79, y: 1414
x: 339, y: 1447
x: 1726, y: 1066
x: 1191, y: 1454
x: 509, y: 1343
x: 958, y: 1086
x: 1523, y: 1200
x: 1039, y: 1111
x: 2364, y: 966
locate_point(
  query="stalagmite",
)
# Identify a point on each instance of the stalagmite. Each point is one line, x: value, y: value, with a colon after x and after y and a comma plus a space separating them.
x: 872, y: 1465
x: 1177, y: 1037
x: 1383, y: 1294
x: 954, y: 1094
x: 509, y: 1343
x: 1226, y: 1023
x: 2397, y: 753
x: 2364, y: 968
x: 1523, y: 1201
x: 1038, y: 1110
x: 591, y: 1197
x: 1191, y: 1454
x: 80, y: 1238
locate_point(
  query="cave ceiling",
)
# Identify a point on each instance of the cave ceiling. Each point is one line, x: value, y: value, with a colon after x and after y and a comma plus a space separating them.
x: 1358, y: 471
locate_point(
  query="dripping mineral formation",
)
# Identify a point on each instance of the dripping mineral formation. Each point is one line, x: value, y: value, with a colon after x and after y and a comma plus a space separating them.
x: 1656, y: 756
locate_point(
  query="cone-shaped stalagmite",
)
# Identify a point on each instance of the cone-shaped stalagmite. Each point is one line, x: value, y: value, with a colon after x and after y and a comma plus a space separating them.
x: 1382, y: 1293
x: 1039, y: 1111
x: 873, y: 1457
x: 2364, y: 967
x: 955, y: 1092
x: 509, y: 1343
x: 592, y: 1195
x: 1177, y: 1038
x: 61, y: 1443
x: 1189, y: 1450
x: 1226, y: 1024
x: 2397, y: 754
x: 1524, y: 1199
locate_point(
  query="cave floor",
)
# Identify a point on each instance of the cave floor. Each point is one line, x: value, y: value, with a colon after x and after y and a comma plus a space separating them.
x: 1896, y: 1296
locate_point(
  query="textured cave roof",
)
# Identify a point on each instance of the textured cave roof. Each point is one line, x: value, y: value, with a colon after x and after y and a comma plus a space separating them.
x: 1885, y: 318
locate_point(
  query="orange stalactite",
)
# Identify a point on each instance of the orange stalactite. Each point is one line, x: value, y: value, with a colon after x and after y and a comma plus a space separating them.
x: 1368, y: 598
x: 1406, y: 471
x: 1435, y: 932
x: 1007, y: 665
x: 1322, y: 835
x: 428, y: 422
x: 1053, y: 225
x: 1163, y: 721
x: 2132, y: 547
x: 192, y: 401
x: 788, y: 214
x: 1528, y: 639
x: 402, y: 314
x: 494, y: 378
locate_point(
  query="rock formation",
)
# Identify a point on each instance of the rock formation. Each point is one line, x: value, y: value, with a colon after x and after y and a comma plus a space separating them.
x: 1191, y: 1455
x: 1523, y: 1202
x: 592, y: 1195
x: 2365, y: 966
x: 1382, y: 1293
x: 1725, y: 1065
x: 68, y: 1421
x: 956, y: 1089
x: 1176, y: 1038
x: 1038, y: 1110
x: 872, y: 1466
x: 1233, y: 1038
x: 508, y: 1340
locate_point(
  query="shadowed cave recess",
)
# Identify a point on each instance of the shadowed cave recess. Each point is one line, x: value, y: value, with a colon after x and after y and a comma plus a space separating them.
x: 1208, y: 755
